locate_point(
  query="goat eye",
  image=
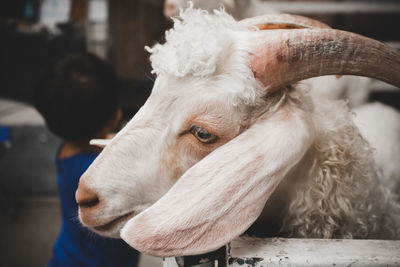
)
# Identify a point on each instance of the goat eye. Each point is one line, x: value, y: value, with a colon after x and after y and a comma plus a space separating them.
x: 203, y: 135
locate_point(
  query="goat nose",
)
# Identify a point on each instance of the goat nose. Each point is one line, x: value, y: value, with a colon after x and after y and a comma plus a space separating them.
x: 86, y: 197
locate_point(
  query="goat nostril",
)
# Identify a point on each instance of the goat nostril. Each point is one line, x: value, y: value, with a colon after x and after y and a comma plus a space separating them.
x: 85, y: 197
x: 89, y: 203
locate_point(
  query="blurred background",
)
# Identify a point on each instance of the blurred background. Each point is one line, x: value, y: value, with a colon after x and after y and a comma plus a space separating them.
x: 34, y: 33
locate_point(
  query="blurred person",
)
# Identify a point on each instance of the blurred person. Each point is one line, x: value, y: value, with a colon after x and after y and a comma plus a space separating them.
x: 78, y: 99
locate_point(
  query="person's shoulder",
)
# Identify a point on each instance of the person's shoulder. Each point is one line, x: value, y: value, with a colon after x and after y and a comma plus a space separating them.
x: 72, y: 159
x: 72, y: 162
x: 66, y: 151
x: 72, y: 149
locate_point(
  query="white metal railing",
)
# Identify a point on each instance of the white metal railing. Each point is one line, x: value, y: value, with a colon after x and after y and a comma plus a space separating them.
x: 248, y: 251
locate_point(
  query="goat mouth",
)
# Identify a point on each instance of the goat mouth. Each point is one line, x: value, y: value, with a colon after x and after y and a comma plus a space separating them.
x: 111, y: 224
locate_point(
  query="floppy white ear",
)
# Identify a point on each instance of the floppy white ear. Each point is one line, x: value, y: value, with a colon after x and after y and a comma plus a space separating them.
x: 222, y: 195
x: 100, y: 142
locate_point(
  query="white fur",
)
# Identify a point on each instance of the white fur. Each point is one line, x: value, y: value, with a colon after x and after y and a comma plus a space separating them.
x: 380, y: 125
x: 309, y: 150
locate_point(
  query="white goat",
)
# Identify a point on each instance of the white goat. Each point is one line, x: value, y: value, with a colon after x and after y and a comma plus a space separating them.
x: 224, y: 140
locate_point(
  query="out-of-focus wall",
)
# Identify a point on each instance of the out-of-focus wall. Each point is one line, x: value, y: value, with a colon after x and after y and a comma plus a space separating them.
x: 134, y: 24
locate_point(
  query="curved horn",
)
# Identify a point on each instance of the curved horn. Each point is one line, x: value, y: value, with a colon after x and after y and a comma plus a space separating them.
x: 286, y: 56
x: 282, y: 21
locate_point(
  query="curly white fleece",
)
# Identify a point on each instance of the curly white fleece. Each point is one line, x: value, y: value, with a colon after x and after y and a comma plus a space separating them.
x: 189, y: 49
x: 343, y: 194
x: 209, y: 47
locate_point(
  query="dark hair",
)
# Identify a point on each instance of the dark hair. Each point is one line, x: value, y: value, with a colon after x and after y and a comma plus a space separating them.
x: 77, y: 96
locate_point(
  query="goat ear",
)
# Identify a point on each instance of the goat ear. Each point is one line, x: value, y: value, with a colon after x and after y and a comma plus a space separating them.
x: 223, y: 194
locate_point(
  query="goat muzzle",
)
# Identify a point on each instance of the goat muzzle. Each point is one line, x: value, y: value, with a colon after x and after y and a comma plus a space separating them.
x: 86, y: 197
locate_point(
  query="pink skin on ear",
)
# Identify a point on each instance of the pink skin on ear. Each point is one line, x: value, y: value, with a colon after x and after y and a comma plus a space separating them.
x: 222, y: 195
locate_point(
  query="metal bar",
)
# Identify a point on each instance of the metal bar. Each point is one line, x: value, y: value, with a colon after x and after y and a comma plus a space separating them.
x: 300, y: 7
x: 212, y: 259
x: 174, y: 262
x: 246, y: 251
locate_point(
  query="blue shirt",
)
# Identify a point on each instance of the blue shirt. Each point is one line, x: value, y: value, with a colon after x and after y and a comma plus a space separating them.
x: 76, y: 245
